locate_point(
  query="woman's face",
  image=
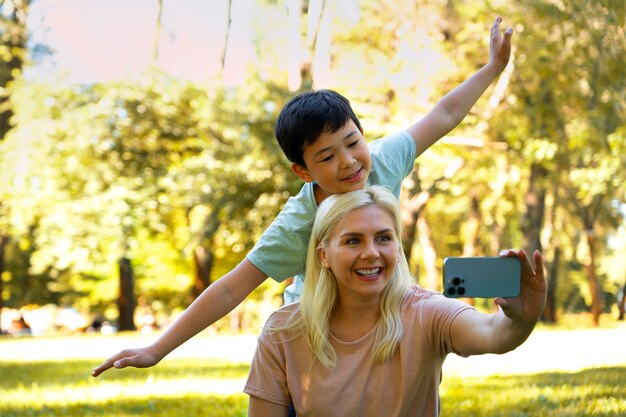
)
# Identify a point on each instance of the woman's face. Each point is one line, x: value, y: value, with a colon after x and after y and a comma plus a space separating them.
x: 362, y: 252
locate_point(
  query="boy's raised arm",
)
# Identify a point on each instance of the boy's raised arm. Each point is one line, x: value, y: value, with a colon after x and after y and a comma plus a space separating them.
x: 214, y: 303
x: 455, y: 105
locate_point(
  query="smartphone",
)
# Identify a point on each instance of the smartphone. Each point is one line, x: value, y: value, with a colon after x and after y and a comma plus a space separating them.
x: 481, y: 277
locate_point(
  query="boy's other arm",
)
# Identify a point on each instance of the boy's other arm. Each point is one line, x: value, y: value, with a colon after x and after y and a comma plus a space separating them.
x: 214, y: 303
x: 475, y: 333
x: 455, y: 105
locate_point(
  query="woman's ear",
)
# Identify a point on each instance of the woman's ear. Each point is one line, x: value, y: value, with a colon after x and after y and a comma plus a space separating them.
x: 321, y: 253
x: 301, y: 172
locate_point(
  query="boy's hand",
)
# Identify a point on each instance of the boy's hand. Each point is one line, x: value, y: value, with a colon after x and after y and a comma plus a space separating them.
x: 499, y: 46
x: 139, y: 358
x: 529, y: 305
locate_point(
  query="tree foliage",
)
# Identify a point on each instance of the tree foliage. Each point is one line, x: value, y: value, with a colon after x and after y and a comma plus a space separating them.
x: 182, y: 179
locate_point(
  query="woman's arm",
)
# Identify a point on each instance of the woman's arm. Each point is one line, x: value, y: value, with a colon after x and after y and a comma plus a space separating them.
x: 258, y: 407
x: 475, y: 333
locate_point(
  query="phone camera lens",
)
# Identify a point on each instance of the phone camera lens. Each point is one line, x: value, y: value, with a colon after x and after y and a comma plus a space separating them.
x: 456, y: 281
x: 461, y: 290
x: 451, y: 291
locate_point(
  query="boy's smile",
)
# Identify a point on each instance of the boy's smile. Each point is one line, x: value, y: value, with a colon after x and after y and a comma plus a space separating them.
x: 337, y: 162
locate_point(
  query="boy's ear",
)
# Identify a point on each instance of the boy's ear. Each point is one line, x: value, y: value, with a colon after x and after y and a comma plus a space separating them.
x: 301, y: 172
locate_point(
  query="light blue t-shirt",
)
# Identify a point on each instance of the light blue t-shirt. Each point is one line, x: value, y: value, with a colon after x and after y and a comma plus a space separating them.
x: 281, y: 251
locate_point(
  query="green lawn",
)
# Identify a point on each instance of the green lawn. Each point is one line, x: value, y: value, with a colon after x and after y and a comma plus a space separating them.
x: 598, y: 392
x: 50, y: 377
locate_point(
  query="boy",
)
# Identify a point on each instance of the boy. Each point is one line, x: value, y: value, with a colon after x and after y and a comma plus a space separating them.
x: 323, y: 139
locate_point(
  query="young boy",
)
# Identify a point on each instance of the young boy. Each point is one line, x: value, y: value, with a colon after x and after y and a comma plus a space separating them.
x: 323, y: 139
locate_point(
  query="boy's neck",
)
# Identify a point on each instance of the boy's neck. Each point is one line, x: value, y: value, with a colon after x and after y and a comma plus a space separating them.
x: 320, y: 195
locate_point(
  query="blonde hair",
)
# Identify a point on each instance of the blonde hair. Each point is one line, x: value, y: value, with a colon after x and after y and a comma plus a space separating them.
x: 319, y: 294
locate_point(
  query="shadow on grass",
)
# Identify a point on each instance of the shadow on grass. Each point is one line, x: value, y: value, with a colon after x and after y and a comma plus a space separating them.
x: 595, y: 392
x: 70, y: 372
x: 176, y: 406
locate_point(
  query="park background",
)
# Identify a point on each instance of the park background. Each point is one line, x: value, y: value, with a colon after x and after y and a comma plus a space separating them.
x: 138, y: 165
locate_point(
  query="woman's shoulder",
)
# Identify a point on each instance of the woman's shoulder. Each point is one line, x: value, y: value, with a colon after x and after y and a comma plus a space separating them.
x: 419, y: 293
x: 417, y: 296
x: 282, y: 317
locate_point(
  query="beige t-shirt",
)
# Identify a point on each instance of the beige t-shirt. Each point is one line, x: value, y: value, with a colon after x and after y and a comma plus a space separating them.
x: 284, y: 370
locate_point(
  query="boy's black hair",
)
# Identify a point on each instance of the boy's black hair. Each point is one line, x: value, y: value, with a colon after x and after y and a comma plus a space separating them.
x: 306, y: 116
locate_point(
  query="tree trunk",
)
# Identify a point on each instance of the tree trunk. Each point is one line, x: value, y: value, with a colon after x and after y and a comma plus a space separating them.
x: 157, y: 35
x: 14, y: 41
x: 471, y: 233
x: 413, y: 201
x: 496, y: 231
x: 549, y: 312
x: 15, y: 44
x: 429, y: 254
x: 321, y: 56
x: 227, y: 35
x: 4, y: 239
x: 409, y: 230
x: 622, y: 304
x: 552, y: 222
x: 296, y: 50
x: 203, y: 260
x: 126, y: 298
x: 410, y: 212
x: 471, y: 228
x: 592, y: 279
x: 535, y: 201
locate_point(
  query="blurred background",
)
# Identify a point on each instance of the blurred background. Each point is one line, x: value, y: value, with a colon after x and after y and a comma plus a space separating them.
x: 138, y: 162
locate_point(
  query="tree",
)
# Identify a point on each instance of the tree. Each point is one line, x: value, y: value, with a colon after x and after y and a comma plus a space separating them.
x: 564, y: 123
x: 13, y: 53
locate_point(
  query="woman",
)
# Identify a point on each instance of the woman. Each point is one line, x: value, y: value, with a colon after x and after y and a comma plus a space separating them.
x: 365, y: 340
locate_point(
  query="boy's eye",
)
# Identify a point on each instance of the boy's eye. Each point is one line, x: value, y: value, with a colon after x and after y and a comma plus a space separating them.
x: 328, y: 158
x: 353, y: 144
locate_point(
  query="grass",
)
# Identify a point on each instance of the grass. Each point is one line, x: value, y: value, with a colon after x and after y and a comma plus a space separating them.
x: 49, y: 376
x: 183, y: 387
x: 598, y: 392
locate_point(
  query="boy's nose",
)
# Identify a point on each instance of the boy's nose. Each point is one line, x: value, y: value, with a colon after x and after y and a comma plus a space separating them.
x: 347, y: 160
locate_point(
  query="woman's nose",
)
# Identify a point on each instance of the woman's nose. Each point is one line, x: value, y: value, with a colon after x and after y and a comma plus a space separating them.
x: 370, y: 251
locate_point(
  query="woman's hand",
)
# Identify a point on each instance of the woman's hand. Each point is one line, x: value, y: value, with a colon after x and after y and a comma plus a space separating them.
x: 528, y: 306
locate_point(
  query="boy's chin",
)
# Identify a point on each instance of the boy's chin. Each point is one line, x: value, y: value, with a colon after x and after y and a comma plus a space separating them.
x: 352, y: 187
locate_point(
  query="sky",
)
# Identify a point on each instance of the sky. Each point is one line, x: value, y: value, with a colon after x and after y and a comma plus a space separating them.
x: 95, y: 40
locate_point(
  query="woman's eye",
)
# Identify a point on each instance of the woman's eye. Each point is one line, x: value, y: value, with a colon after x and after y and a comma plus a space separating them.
x: 352, y: 241
x: 385, y: 238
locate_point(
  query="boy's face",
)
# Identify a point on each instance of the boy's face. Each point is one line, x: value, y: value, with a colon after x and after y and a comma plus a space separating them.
x: 338, y: 162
